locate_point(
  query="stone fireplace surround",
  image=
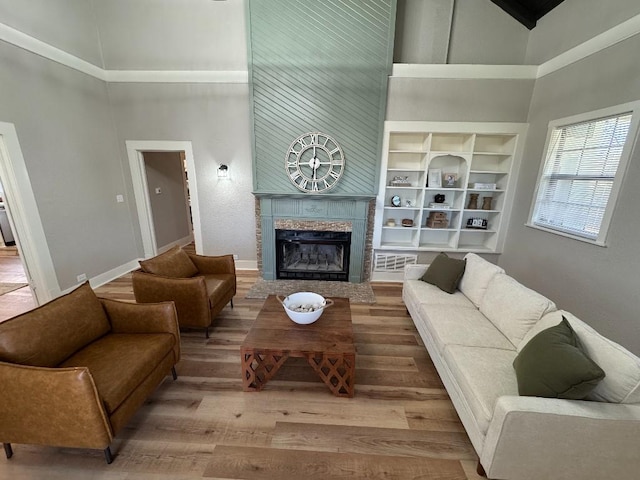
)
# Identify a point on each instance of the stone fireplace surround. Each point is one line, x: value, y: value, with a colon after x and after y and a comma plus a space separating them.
x: 342, y: 214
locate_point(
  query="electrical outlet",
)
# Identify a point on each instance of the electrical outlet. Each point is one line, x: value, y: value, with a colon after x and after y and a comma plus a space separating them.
x: 235, y: 256
x: 82, y: 277
x: 158, y: 191
x: 120, y: 198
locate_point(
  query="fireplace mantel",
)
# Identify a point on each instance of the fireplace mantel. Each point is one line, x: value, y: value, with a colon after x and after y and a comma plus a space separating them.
x: 356, y: 210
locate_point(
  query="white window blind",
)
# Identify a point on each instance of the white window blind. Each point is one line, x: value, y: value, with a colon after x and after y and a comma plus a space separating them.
x: 578, y: 175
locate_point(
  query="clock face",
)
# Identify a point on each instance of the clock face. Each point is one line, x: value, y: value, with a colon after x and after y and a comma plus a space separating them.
x: 314, y: 162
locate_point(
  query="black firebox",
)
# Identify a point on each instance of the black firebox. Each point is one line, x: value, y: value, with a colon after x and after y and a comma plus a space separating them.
x: 312, y: 255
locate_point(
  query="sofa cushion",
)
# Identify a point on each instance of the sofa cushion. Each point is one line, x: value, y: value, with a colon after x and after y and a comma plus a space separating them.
x: 119, y: 362
x: 622, y: 368
x: 512, y: 307
x: 429, y: 294
x: 477, y: 275
x: 483, y: 375
x: 553, y: 365
x: 445, y: 273
x: 47, y: 335
x: 452, y: 325
x: 219, y: 286
x: 175, y: 263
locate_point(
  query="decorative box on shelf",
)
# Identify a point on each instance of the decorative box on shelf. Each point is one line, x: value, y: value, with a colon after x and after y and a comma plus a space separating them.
x: 443, y: 206
x: 477, y: 223
x: 483, y: 186
x: 407, y: 222
x: 437, y: 220
x: 400, y: 182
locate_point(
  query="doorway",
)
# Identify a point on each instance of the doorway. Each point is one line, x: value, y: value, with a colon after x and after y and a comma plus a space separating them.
x: 23, y: 220
x: 168, y: 195
x: 136, y: 151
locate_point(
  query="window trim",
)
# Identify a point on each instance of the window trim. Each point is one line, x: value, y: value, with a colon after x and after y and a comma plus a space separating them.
x: 627, y: 152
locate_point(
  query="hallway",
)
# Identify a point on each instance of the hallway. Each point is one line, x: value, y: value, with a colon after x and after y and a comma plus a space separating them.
x: 11, y: 271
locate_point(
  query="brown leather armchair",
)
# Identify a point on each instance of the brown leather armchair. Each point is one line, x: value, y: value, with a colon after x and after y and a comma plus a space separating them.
x: 199, y: 285
x: 75, y: 370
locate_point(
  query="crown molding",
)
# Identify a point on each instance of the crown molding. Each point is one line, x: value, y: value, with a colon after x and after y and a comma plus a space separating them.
x: 33, y: 45
x: 177, y: 76
x: 460, y: 71
x: 614, y: 35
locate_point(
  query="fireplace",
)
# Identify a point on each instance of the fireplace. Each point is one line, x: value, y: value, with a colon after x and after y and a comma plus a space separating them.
x: 312, y: 255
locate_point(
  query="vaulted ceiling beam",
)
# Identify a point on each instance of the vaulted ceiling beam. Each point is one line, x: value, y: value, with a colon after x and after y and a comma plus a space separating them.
x: 527, y: 12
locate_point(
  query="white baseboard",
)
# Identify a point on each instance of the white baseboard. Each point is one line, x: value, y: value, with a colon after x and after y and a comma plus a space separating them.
x: 387, y: 276
x: 246, y: 264
x: 114, y: 273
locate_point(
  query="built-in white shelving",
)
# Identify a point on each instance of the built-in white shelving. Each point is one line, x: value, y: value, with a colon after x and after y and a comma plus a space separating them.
x: 416, y: 155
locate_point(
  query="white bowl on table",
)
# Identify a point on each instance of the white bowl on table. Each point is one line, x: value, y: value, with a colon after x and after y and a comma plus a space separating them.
x: 305, y: 307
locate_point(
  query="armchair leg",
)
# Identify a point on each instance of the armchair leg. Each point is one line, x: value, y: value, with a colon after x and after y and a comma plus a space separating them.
x: 232, y: 303
x: 8, y: 451
x: 174, y: 373
x: 107, y: 455
x: 480, y: 470
x: 206, y: 332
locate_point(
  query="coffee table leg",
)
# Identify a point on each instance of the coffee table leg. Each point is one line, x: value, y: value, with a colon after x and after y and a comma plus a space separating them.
x: 336, y: 371
x: 259, y: 367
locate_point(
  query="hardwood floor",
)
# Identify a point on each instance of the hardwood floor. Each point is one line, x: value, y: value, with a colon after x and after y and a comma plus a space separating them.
x: 399, y: 425
x: 12, y: 271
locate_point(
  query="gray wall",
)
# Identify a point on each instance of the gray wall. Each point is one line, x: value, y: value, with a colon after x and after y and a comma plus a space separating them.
x: 599, y: 285
x: 66, y: 24
x: 574, y: 22
x: 169, y: 208
x: 172, y: 34
x: 66, y: 134
x: 483, y: 33
x: 474, y: 32
x: 215, y: 118
x: 422, y: 31
x: 458, y: 100
x: 66, y: 120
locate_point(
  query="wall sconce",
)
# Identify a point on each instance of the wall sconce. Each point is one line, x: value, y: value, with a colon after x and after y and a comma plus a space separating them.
x: 223, y: 171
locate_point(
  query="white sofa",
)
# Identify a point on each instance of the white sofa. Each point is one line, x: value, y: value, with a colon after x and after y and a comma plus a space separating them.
x: 473, y: 336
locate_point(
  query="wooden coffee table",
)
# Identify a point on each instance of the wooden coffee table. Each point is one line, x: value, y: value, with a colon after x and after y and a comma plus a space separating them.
x: 327, y: 345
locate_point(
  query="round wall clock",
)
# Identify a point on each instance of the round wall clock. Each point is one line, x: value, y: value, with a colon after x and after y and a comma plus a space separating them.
x: 314, y: 162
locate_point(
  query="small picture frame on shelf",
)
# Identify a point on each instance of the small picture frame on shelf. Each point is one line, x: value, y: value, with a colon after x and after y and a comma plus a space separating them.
x: 434, y: 180
x: 450, y: 180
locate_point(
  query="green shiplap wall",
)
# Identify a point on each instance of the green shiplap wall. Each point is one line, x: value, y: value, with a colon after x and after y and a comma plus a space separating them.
x: 319, y: 65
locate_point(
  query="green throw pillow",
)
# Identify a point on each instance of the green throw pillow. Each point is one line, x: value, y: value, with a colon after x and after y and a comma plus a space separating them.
x: 445, y: 273
x: 554, y: 365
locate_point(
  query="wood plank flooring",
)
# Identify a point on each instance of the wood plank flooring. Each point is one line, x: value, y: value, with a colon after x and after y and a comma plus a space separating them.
x: 399, y: 425
x: 12, y: 271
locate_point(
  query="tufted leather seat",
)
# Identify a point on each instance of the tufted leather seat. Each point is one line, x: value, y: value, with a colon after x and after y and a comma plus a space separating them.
x: 199, y: 285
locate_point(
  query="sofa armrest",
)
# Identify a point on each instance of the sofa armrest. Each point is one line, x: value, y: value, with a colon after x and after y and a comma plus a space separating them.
x: 415, y: 271
x: 189, y: 295
x: 52, y: 406
x: 532, y: 437
x: 126, y: 317
x: 213, y: 264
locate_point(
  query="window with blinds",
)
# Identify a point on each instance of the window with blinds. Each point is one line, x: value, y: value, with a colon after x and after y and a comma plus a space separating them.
x: 576, y: 186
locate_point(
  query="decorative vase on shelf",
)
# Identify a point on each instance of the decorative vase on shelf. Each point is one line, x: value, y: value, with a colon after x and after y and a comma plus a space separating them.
x: 486, y: 203
x: 473, y: 201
